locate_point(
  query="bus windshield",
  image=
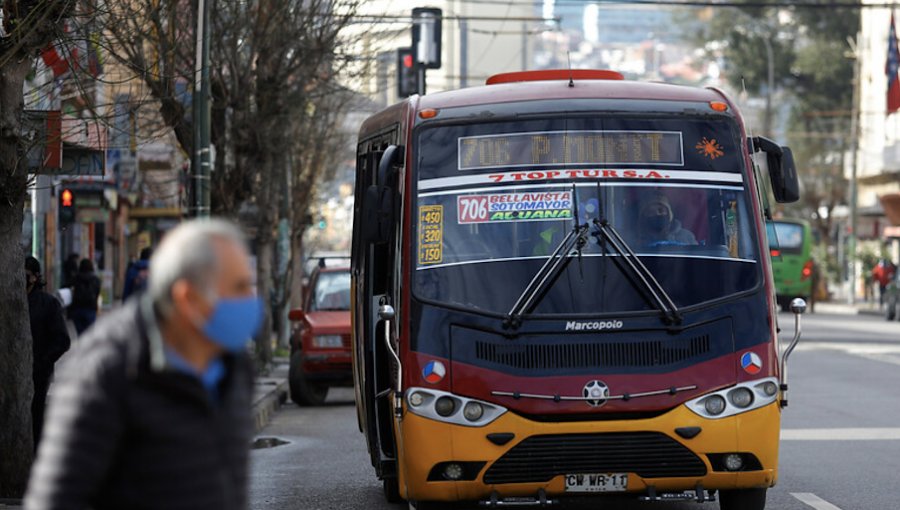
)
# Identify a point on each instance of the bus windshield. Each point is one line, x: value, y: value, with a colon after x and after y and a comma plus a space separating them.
x: 495, y: 200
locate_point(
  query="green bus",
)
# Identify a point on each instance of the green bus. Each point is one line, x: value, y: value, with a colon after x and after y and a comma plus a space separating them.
x: 790, y: 244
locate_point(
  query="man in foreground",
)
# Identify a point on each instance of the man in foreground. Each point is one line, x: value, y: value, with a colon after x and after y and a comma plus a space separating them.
x: 154, y: 410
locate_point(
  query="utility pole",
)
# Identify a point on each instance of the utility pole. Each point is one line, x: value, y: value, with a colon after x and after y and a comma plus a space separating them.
x: 770, y: 85
x: 200, y: 161
x: 854, y: 144
x: 463, y: 53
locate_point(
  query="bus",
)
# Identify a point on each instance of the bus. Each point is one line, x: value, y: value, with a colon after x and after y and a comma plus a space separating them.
x: 793, y: 268
x: 561, y: 289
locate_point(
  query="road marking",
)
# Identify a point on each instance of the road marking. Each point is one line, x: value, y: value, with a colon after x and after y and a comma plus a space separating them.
x: 844, y: 434
x: 814, y: 501
x: 884, y: 352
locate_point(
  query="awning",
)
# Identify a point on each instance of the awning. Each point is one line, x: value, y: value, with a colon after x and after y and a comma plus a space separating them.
x: 890, y: 202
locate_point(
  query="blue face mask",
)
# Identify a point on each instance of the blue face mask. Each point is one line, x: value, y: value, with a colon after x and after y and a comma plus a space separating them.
x: 234, y: 321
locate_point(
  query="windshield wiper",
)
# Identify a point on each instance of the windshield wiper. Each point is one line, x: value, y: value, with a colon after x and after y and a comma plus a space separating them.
x: 558, y: 260
x: 651, y: 285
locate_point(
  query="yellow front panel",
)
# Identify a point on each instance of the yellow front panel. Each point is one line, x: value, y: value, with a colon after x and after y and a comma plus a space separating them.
x: 425, y: 442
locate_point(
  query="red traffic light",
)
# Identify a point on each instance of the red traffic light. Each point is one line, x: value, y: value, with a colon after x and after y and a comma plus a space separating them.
x: 66, y: 198
x: 407, y: 61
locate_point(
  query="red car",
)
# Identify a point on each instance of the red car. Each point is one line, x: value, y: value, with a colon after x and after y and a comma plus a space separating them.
x: 320, y: 341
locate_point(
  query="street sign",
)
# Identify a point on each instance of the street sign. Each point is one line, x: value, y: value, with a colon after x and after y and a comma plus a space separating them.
x: 77, y: 161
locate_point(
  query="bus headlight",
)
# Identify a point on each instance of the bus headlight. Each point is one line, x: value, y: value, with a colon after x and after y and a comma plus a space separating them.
x: 449, y: 408
x: 416, y: 399
x: 714, y: 405
x: 445, y: 406
x: 740, y: 398
x: 473, y: 411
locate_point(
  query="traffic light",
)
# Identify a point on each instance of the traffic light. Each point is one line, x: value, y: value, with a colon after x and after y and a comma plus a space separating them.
x: 407, y: 73
x: 66, y: 207
x: 322, y: 224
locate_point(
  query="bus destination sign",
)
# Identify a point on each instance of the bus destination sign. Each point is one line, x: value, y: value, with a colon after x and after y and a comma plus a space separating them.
x: 561, y: 148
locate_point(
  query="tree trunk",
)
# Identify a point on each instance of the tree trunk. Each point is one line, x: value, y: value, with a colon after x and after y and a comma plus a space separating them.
x: 16, y: 387
x: 265, y: 247
x: 297, y: 275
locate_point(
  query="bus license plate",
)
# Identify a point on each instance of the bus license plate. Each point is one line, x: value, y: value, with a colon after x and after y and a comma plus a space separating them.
x: 608, y: 482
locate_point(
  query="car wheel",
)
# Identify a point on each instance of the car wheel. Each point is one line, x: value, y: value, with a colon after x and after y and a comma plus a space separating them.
x: 304, y: 393
x: 742, y: 499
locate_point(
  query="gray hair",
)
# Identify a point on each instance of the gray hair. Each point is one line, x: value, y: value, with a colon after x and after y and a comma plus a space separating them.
x: 189, y: 253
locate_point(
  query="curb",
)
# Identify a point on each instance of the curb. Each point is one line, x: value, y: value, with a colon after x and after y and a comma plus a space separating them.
x: 266, y: 405
x: 847, y: 309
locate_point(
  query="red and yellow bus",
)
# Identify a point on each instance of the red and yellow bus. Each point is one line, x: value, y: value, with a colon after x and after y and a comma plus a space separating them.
x: 561, y: 287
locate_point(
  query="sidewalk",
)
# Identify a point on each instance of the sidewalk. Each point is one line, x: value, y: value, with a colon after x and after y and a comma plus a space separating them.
x: 269, y: 393
x: 843, y: 308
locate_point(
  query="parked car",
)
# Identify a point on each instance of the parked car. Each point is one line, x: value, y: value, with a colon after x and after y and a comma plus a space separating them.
x: 892, y: 298
x: 320, y: 340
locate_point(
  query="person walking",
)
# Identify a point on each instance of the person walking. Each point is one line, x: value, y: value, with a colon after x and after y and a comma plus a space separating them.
x: 136, y: 275
x: 883, y: 273
x: 70, y: 270
x: 49, y: 340
x: 154, y: 410
x: 85, y: 292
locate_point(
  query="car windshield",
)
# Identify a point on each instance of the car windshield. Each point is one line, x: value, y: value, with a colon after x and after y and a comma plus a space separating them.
x: 482, y: 236
x: 332, y: 291
x: 787, y: 237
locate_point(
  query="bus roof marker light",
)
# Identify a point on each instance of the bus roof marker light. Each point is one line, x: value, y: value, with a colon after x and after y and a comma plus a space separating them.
x: 718, y: 106
x: 428, y: 113
x: 555, y: 75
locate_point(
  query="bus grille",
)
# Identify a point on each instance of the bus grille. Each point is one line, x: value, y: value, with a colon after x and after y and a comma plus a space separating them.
x: 648, y: 454
x: 569, y: 355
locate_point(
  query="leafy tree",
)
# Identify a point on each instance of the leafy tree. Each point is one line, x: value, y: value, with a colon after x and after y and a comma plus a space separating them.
x: 813, y: 75
x: 269, y: 61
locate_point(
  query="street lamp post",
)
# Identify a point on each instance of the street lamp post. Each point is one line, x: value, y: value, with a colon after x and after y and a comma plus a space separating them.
x: 200, y: 160
x: 770, y: 86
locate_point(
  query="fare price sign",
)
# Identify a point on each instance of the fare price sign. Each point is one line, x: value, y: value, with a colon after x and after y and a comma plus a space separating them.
x: 431, y: 234
x: 560, y: 148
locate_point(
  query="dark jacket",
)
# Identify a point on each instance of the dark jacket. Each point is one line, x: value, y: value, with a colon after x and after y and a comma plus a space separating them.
x: 127, y: 431
x: 49, y: 336
x: 135, y: 278
x: 85, y: 291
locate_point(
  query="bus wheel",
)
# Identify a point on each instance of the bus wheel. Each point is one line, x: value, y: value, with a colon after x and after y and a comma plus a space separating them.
x: 391, y: 489
x: 303, y: 393
x: 742, y: 499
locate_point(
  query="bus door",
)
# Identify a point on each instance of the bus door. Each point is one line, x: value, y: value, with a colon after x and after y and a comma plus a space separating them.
x: 375, y: 273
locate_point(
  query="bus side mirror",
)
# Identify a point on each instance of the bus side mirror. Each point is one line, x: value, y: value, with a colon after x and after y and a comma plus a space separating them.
x: 378, y: 207
x: 378, y: 214
x: 782, y: 170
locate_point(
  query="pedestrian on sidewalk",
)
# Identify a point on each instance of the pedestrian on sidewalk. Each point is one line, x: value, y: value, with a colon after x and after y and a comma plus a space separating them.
x: 49, y: 340
x: 85, y: 292
x: 136, y: 275
x: 154, y: 410
x: 883, y: 273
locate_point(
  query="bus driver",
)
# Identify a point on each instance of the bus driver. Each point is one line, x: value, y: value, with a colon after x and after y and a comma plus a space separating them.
x: 657, y: 224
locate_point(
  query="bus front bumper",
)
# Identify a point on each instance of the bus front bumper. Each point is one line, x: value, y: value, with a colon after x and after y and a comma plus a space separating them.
x: 428, y: 445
